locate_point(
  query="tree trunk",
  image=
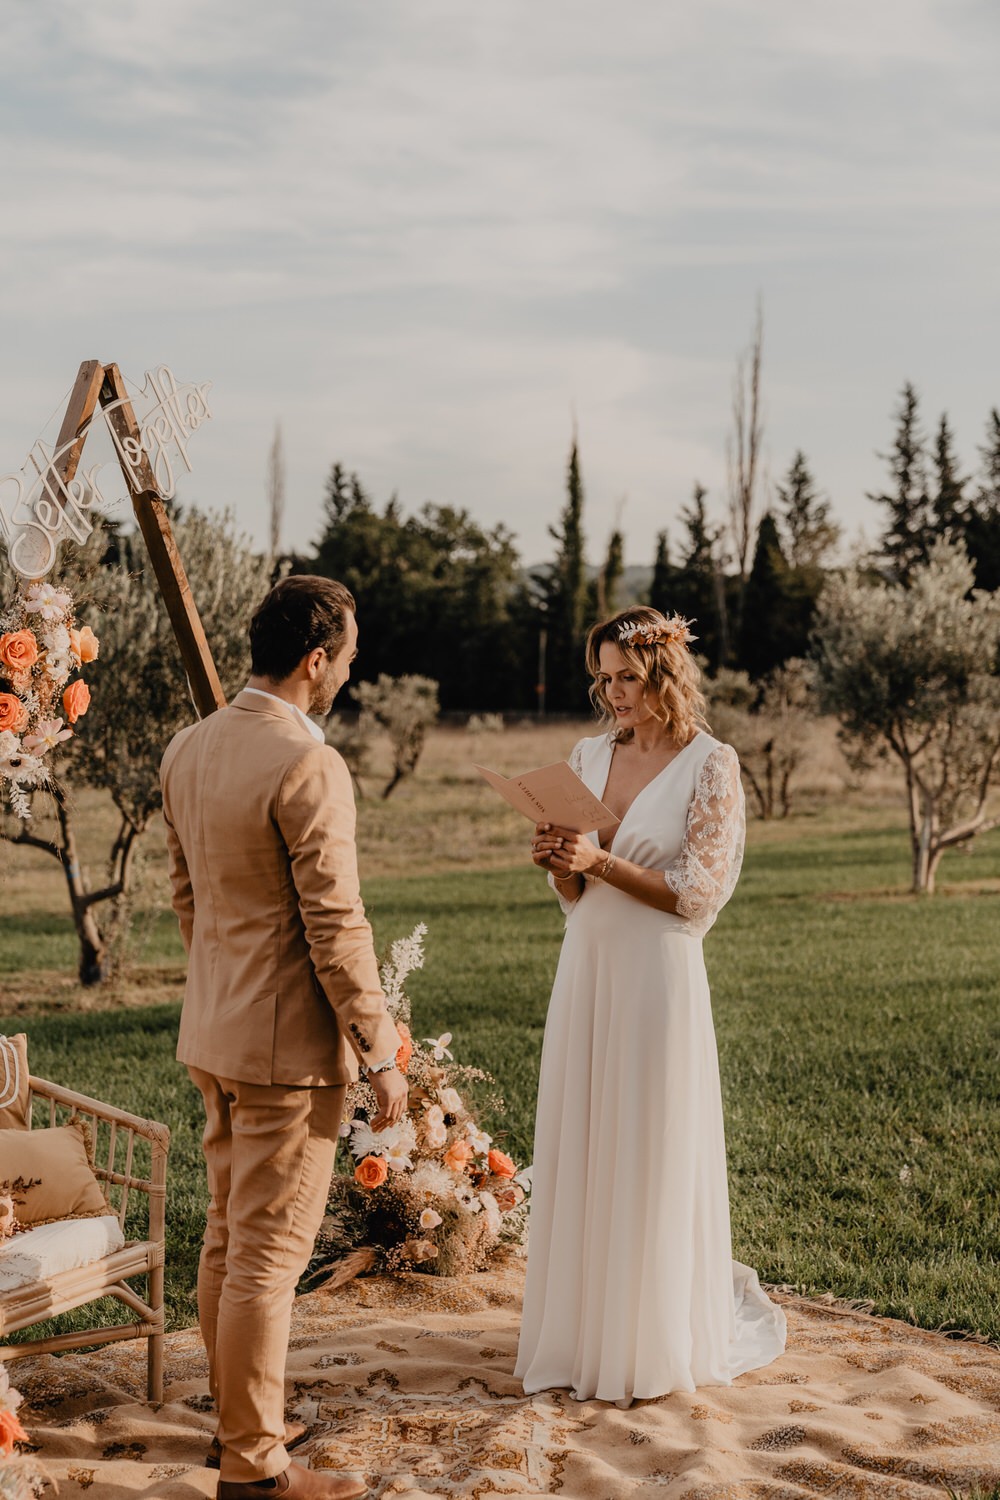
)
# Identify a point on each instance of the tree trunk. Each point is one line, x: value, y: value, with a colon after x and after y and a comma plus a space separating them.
x: 926, y: 851
x: 93, y: 947
x: 934, y: 859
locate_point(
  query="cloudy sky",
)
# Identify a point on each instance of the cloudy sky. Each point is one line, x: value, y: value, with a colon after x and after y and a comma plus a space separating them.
x: 422, y: 236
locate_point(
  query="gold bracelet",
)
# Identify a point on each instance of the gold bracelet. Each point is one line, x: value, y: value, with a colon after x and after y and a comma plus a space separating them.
x: 608, y: 866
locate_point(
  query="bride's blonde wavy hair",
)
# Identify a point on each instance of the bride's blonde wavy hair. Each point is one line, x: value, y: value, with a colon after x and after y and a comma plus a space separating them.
x: 656, y: 649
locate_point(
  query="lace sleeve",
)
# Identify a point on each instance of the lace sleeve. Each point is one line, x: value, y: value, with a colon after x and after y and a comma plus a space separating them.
x: 704, y: 874
x: 576, y: 765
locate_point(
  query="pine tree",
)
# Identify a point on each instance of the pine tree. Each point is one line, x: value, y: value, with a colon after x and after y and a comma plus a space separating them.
x: 949, y: 499
x: 661, y: 589
x: 696, y: 590
x: 907, y: 539
x: 982, y: 518
x: 806, y: 515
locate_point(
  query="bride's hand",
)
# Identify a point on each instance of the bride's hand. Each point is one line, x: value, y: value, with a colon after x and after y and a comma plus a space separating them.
x: 564, y: 852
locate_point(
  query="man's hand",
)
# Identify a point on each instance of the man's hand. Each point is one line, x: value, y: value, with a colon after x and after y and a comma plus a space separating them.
x: 392, y: 1092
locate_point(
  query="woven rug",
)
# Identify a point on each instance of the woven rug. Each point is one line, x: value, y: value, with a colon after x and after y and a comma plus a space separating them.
x: 409, y: 1380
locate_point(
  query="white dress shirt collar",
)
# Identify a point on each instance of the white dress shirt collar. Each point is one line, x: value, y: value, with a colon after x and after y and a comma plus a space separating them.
x: 312, y: 727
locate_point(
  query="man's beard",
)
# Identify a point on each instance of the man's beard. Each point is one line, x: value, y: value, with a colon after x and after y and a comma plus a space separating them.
x: 323, y: 693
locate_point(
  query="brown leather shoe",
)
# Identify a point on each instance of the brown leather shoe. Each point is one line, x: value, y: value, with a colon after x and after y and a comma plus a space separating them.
x: 296, y: 1483
x: 296, y: 1434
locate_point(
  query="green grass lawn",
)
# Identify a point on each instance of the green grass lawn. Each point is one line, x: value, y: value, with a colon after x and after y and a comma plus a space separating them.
x: 858, y: 1034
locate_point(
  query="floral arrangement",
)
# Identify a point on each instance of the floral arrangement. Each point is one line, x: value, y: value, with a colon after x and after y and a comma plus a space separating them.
x: 41, y: 652
x: 19, y: 1479
x: 435, y: 1192
x: 674, y: 629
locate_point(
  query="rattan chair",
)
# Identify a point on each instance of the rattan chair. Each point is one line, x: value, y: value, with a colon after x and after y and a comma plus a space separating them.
x: 128, y: 1153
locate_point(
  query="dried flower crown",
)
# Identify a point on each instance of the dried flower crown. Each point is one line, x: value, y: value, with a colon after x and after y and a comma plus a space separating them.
x: 675, y: 629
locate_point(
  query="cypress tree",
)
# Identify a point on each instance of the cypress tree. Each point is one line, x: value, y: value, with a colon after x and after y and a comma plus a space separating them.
x: 764, y: 632
x: 609, y: 581
x: 661, y: 588
x: 566, y: 597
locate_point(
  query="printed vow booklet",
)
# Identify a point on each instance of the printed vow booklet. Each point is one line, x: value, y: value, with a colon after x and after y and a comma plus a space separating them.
x: 552, y: 794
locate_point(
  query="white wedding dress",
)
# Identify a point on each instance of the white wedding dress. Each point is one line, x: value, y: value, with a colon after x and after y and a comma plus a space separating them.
x: 631, y: 1288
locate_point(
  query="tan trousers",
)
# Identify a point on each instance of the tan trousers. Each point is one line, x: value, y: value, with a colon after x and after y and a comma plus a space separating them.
x: 269, y: 1150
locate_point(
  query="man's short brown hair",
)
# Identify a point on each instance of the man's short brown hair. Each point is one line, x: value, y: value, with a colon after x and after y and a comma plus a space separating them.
x: 300, y: 613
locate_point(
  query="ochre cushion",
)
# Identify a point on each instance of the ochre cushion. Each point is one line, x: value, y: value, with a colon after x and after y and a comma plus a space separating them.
x: 14, y: 1082
x: 48, y: 1175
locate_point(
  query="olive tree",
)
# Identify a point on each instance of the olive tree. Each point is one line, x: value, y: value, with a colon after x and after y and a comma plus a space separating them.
x: 405, y: 707
x: 912, y: 669
x: 767, y: 724
x: 140, y: 699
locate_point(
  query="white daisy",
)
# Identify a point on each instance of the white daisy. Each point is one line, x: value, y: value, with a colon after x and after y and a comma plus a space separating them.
x: 365, y: 1141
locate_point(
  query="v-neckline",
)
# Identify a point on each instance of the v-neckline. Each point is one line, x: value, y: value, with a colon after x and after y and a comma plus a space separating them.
x: 642, y: 790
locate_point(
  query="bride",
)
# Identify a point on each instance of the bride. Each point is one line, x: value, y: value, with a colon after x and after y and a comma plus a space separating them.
x: 631, y: 1289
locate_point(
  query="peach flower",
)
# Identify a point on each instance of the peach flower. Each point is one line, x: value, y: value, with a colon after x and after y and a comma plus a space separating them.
x: 419, y: 1250
x: 11, y: 1432
x: 500, y: 1164
x: 18, y: 650
x: 372, y: 1172
x: 84, y: 644
x: 458, y: 1156
x: 76, y: 700
x: 13, y: 714
x: 405, y: 1047
x: 509, y: 1197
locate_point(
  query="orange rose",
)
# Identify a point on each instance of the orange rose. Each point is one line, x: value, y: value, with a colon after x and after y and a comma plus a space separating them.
x: 406, y: 1047
x: 18, y: 650
x: 13, y: 714
x: 76, y: 700
x: 501, y: 1165
x: 458, y: 1156
x: 84, y: 644
x: 372, y: 1172
x: 11, y: 1432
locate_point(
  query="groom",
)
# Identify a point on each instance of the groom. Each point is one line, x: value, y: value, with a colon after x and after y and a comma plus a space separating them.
x: 282, y: 1002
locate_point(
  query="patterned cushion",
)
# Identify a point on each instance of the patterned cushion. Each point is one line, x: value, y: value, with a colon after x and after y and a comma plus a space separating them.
x: 14, y: 1082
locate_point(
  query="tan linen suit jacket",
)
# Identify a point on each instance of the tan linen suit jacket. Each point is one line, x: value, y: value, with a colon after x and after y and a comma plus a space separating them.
x: 282, y: 982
